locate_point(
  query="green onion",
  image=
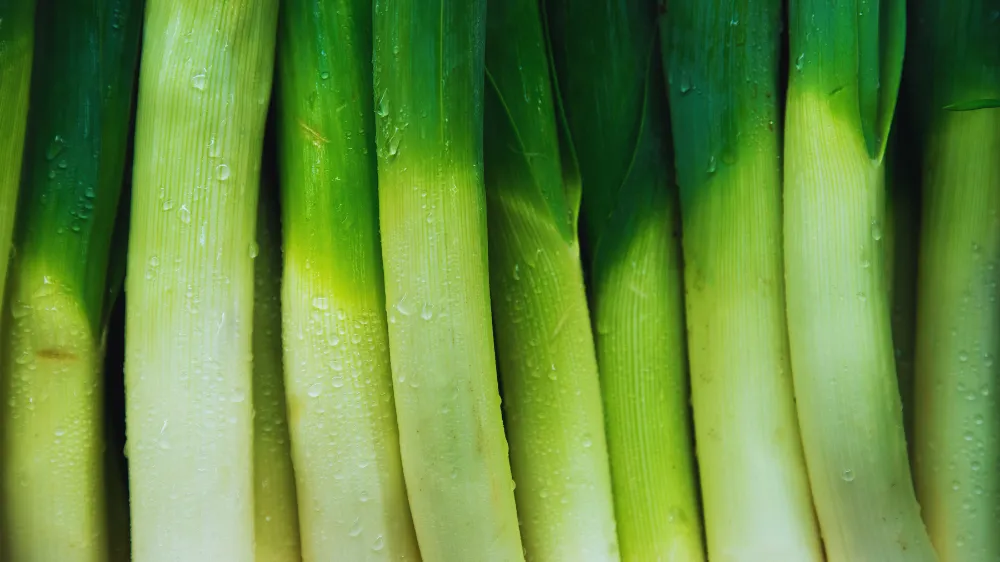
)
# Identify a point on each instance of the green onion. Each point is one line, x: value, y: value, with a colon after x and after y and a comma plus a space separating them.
x: 16, y: 47
x: 611, y: 86
x: 345, y: 442
x: 723, y: 80
x: 956, y: 90
x: 548, y: 367
x: 846, y: 61
x: 429, y: 59
x: 276, y: 520
x: 204, y: 86
x: 53, y: 427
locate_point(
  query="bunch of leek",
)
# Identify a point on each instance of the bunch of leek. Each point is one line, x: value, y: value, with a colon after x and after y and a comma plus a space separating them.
x: 955, y: 74
x: 53, y: 426
x: 204, y: 86
x: 724, y: 109
x: 429, y: 78
x: 609, y: 76
x: 846, y: 61
x: 552, y: 397
x: 352, y: 498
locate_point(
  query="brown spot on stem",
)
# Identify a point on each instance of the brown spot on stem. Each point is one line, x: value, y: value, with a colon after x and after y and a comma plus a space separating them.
x: 55, y: 354
x: 314, y: 135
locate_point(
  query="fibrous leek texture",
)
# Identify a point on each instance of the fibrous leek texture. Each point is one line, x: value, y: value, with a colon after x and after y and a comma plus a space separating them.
x: 724, y: 103
x: 53, y: 349
x: 345, y: 442
x: 608, y: 74
x: 955, y: 72
x: 204, y: 86
x: 429, y: 75
x: 845, y: 68
x: 548, y: 367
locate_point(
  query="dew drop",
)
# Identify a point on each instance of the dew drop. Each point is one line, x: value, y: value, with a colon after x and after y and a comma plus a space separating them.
x: 198, y: 81
x: 876, y: 231
x: 315, y: 390
x: 222, y: 172
x: 847, y: 475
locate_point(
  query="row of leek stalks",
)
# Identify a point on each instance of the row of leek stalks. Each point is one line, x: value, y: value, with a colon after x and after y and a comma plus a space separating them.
x: 743, y: 304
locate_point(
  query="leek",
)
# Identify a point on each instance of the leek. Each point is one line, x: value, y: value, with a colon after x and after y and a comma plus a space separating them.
x: 956, y: 88
x: 16, y: 48
x: 429, y: 75
x: 53, y: 424
x: 611, y: 89
x: 724, y: 109
x: 548, y: 366
x: 204, y: 86
x: 276, y: 519
x: 846, y: 62
x: 345, y: 443
x: 902, y: 237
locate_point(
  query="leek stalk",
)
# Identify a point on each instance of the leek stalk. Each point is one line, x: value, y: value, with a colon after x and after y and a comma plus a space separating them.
x: 724, y: 109
x: 956, y: 89
x: 429, y: 77
x: 548, y: 367
x: 16, y: 48
x: 276, y: 517
x: 204, y: 86
x: 610, y: 79
x: 345, y: 442
x: 53, y: 367
x: 846, y: 63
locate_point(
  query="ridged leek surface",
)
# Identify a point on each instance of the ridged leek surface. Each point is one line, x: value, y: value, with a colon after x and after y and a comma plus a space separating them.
x: 53, y: 349
x: 204, y: 87
x: 345, y: 442
x: 846, y: 61
x: 548, y: 367
x: 429, y: 78
x: 955, y: 57
x: 724, y: 110
x: 611, y: 86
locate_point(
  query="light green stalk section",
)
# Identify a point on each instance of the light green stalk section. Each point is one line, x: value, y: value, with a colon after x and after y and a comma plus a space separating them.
x: 955, y: 74
x: 956, y: 449
x: 16, y: 47
x: 276, y: 520
x: 203, y: 96
x: 723, y: 84
x: 53, y: 348
x: 345, y: 441
x: 429, y: 59
x: 611, y: 87
x: 548, y: 367
x: 846, y: 61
